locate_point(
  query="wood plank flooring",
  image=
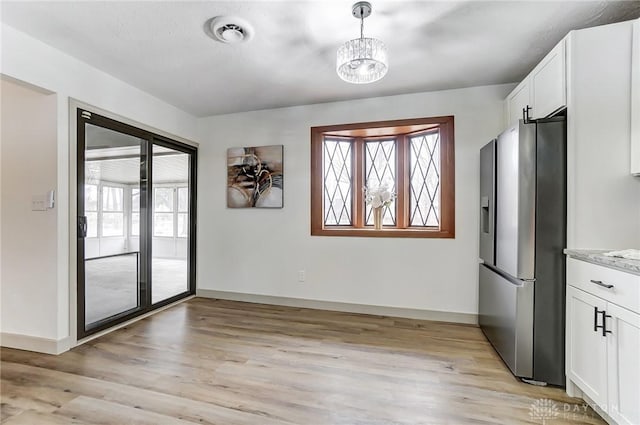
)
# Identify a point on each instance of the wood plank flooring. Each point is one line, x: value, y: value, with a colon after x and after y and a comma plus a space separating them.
x: 230, y: 363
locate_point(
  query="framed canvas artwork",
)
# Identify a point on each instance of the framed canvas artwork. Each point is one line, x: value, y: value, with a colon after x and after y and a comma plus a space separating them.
x: 254, y: 177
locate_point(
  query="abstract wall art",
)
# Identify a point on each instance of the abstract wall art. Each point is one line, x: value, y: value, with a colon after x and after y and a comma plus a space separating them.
x: 254, y: 177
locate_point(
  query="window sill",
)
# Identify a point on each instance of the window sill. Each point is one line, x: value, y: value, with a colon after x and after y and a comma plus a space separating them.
x: 383, y: 233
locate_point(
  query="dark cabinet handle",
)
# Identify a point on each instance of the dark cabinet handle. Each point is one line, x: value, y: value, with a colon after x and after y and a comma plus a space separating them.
x: 596, y: 326
x: 600, y: 283
x: 595, y: 319
x: 604, y: 323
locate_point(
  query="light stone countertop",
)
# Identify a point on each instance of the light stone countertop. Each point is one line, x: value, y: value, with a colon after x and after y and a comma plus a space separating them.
x: 596, y: 257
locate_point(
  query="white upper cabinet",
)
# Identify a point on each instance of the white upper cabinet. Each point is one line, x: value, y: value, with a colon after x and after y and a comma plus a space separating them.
x: 543, y: 91
x: 549, y: 83
x: 599, y: 138
x: 518, y: 100
x: 635, y: 101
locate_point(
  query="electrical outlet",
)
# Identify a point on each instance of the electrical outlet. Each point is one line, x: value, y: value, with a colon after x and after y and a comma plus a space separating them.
x: 301, y: 276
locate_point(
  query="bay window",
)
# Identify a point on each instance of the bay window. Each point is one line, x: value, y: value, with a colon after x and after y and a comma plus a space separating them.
x: 413, y: 158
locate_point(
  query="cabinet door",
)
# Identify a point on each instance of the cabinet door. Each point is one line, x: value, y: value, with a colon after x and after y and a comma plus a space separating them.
x: 517, y: 101
x: 587, y: 348
x: 549, y: 83
x: 624, y: 365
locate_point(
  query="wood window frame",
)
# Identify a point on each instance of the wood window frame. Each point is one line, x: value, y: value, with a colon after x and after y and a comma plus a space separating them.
x: 385, y: 129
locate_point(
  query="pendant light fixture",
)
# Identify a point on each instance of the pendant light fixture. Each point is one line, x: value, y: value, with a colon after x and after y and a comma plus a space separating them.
x: 362, y: 60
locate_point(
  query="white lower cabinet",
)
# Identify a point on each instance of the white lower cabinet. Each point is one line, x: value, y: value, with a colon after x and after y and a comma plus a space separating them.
x: 623, y: 351
x: 603, y: 340
x: 588, y: 355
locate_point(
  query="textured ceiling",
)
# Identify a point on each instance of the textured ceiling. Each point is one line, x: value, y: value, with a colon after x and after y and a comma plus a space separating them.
x: 167, y: 169
x: 161, y: 47
x: 115, y: 157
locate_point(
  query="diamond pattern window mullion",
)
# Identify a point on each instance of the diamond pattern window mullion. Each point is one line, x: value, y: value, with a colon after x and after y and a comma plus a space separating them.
x: 425, y: 180
x: 380, y: 168
x: 337, y: 174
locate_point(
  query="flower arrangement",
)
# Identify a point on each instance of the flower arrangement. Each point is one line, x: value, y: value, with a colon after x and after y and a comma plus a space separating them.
x: 378, y: 197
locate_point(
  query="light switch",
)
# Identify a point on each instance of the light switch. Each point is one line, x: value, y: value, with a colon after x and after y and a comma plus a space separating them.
x: 38, y: 203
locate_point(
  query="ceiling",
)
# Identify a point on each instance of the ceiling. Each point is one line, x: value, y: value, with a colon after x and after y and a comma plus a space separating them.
x: 115, y: 157
x: 162, y: 48
x: 166, y: 169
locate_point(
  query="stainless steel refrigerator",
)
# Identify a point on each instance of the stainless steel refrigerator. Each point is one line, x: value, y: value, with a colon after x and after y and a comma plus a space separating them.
x: 522, y: 235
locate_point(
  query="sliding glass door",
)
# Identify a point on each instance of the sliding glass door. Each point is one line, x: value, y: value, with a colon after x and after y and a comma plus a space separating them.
x: 136, y: 226
x: 113, y: 264
x: 171, y: 199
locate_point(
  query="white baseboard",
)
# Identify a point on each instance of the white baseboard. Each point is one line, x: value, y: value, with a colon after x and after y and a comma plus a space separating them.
x: 35, y: 343
x: 409, y: 313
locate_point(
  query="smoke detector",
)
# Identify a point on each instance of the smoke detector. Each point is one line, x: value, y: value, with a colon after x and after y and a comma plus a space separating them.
x: 229, y: 29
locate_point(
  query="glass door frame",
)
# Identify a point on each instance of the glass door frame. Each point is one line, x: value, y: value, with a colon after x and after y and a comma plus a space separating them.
x: 148, y: 140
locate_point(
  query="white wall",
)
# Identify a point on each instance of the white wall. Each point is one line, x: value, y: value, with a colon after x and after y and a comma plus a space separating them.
x: 28, y: 167
x: 27, y: 59
x: 603, y: 197
x: 258, y: 251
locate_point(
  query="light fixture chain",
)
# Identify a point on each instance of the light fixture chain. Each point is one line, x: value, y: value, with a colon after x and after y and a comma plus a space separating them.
x: 361, y: 22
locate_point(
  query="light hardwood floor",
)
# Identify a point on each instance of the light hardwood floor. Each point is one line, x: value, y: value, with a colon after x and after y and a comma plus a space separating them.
x: 223, y: 362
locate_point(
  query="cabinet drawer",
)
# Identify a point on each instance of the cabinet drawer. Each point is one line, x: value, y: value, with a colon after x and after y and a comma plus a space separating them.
x: 626, y: 286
